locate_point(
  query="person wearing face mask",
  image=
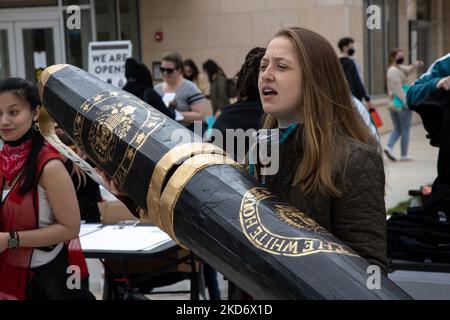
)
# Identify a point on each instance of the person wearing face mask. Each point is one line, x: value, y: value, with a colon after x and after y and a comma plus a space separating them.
x: 397, y: 84
x: 330, y: 165
x: 347, y: 48
x: 39, y: 213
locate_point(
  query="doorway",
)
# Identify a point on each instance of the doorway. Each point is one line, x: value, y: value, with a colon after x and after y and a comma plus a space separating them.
x: 37, y: 47
x: 7, y: 51
x: 28, y: 44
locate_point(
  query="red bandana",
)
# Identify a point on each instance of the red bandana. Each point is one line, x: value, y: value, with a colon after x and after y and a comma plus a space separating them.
x: 12, y: 159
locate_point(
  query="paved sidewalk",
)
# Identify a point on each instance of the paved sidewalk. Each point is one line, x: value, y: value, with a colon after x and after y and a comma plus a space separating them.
x: 403, y: 176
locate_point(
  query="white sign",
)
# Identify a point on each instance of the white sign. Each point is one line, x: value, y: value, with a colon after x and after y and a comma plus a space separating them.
x: 40, y: 60
x: 107, y: 60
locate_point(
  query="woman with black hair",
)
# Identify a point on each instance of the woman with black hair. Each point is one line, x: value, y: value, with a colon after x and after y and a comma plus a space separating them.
x: 192, y: 73
x: 39, y: 213
x: 246, y: 113
x: 140, y: 83
x: 138, y: 78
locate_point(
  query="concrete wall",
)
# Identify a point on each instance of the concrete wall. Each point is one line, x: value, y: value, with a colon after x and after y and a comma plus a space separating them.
x: 225, y: 30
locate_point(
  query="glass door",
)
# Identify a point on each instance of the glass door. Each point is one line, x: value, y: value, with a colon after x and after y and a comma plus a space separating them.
x: 38, y: 46
x: 7, y: 51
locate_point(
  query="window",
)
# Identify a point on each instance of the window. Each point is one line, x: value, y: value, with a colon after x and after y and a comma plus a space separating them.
x: 106, y: 20
x: 421, y: 45
x: 129, y: 29
x: 424, y: 10
x: 378, y: 45
x: 5, y: 70
x: 118, y: 20
x: 77, y: 41
x: 27, y: 3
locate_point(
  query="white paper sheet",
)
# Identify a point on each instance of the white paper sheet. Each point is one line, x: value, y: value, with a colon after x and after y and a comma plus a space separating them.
x: 106, y: 195
x: 116, y: 238
x: 85, y: 229
x: 168, y: 98
x: 178, y: 116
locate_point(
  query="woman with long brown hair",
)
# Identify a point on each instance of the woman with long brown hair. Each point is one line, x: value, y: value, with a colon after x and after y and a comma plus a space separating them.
x: 218, y: 91
x: 330, y: 166
x: 397, y: 83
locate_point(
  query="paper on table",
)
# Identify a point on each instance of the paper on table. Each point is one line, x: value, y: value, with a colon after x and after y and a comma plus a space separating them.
x: 87, y: 228
x: 113, y: 238
x: 106, y: 195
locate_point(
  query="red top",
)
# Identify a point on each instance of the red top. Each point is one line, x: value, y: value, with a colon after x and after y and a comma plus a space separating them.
x: 19, y: 213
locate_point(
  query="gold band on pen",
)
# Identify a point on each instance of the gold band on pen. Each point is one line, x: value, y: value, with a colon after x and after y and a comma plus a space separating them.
x: 162, y: 195
x: 176, y: 156
x: 178, y: 181
x: 45, y: 75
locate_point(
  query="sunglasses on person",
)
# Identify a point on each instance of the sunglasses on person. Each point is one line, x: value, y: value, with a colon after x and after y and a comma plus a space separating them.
x: 168, y: 70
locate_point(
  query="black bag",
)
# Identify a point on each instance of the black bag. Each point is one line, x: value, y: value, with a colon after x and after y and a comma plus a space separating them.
x: 432, y: 110
x: 419, y: 236
x: 49, y: 282
x: 435, y: 114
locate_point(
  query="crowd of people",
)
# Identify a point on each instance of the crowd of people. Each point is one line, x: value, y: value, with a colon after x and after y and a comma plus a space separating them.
x: 331, y: 165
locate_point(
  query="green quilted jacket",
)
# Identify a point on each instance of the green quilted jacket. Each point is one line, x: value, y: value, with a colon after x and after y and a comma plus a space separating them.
x: 358, y: 218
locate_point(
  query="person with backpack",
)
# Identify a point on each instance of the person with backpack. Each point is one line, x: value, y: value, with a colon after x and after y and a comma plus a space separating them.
x: 219, y: 86
x: 429, y: 97
x: 423, y: 233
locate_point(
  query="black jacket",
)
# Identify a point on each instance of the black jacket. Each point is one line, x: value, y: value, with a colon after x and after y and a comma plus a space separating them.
x: 88, y: 195
x: 152, y: 97
x: 435, y: 114
x: 240, y: 115
x: 136, y: 88
x: 354, y: 79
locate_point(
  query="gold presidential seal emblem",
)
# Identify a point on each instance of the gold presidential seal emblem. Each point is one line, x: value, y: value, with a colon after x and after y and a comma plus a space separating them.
x: 110, y: 118
x: 259, y: 234
x: 113, y: 123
